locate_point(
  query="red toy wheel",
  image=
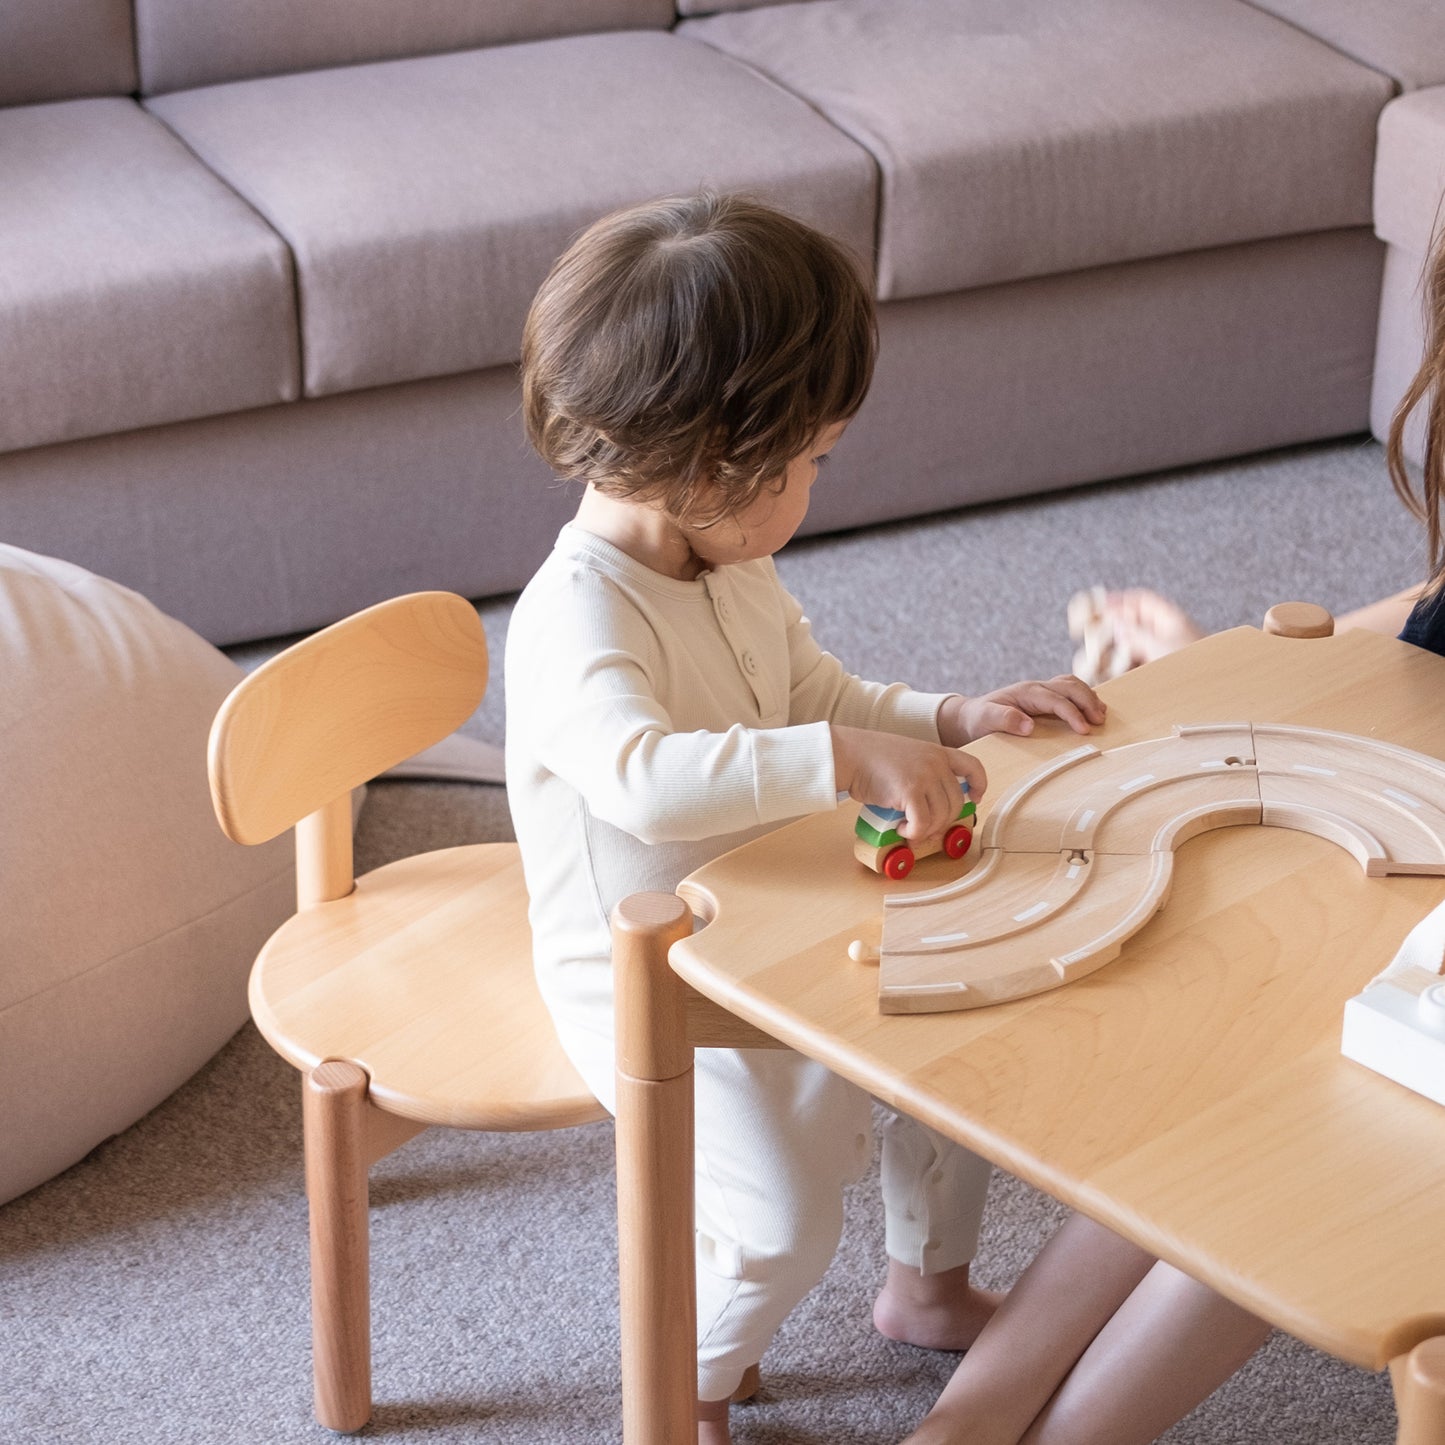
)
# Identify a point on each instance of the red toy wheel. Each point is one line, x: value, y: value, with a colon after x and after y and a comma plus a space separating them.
x: 899, y: 863
x: 957, y: 840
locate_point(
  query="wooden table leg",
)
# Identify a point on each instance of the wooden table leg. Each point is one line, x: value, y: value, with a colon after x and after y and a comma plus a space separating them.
x: 1419, y: 1380
x: 334, y: 1114
x: 655, y: 1175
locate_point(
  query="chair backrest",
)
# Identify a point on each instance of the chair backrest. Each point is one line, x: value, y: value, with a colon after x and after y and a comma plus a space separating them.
x: 296, y: 736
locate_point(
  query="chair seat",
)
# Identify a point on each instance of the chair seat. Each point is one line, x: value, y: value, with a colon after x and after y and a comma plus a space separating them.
x: 423, y: 977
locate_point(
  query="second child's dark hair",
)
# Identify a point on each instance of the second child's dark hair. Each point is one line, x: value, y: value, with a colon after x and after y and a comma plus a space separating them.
x: 1426, y: 390
x: 683, y: 352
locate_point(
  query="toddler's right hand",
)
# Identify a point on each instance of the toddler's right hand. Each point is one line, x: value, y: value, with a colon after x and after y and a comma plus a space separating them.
x: 918, y: 778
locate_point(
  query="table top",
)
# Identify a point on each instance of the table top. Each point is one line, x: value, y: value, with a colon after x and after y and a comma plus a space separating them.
x: 1191, y: 1094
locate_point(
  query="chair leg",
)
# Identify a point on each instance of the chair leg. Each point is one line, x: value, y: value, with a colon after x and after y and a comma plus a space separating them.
x: 655, y: 1175
x: 1419, y: 1380
x: 334, y: 1115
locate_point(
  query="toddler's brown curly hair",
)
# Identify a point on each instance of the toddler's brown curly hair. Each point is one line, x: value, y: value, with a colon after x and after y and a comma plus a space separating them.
x: 681, y: 353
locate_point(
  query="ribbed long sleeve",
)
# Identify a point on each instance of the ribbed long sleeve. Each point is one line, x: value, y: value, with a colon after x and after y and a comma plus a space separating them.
x: 654, y: 723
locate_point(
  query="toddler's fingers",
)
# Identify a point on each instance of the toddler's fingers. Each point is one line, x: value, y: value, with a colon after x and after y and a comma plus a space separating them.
x: 968, y: 767
x: 949, y: 800
x: 1046, y: 699
x: 1014, y: 720
x: 1082, y: 696
x: 915, y: 822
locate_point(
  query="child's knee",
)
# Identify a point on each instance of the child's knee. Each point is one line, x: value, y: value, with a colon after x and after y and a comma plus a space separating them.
x: 769, y: 1248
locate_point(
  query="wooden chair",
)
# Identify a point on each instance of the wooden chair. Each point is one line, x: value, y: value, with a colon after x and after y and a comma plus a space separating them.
x: 405, y: 997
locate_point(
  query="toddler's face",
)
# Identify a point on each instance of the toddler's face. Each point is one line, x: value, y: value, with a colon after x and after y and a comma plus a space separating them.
x: 770, y: 519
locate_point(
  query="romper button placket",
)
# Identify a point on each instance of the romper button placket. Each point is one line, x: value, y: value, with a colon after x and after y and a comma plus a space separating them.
x: 750, y: 664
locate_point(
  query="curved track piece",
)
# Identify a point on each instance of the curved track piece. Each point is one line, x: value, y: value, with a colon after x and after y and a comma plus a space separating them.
x: 1079, y: 855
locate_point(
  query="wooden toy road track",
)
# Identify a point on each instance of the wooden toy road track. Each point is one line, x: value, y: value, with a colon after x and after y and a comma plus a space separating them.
x: 1078, y: 856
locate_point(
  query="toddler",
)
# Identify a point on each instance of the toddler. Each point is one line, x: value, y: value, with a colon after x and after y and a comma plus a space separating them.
x: 693, y: 361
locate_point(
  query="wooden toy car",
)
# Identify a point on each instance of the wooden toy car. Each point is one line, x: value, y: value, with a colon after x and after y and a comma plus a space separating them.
x: 876, y: 843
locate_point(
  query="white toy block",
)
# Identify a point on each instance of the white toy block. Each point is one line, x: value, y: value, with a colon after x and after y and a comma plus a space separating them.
x: 1397, y: 1025
x: 1400, y: 1033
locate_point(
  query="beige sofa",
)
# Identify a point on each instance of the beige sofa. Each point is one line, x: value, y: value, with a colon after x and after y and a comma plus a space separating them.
x: 263, y: 266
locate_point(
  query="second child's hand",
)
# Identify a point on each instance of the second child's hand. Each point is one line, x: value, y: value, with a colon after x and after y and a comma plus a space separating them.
x: 920, y: 779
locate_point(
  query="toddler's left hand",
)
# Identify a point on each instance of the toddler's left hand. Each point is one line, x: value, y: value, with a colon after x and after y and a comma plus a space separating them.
x: 1013, y: 710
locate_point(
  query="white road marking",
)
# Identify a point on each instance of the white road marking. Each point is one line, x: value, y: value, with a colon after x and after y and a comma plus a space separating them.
x: 945, y: 938
x: 1085, y: 818
x: 1032, y: 912
x: 1400, y: 797
x: 1319, y: 772
x: 1136, y: 782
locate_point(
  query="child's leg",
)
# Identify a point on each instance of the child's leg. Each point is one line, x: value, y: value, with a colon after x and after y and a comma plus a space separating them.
x: 933, y: 1199
x: 1170, y: 1345
x: 778, y: 1137
x: 1042, y: 1327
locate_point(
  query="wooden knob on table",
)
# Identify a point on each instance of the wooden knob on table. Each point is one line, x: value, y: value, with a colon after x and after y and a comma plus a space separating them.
x: 1298, y: 619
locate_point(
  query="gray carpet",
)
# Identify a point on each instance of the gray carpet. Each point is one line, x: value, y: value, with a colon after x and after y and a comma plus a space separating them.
x: 157, y: 1293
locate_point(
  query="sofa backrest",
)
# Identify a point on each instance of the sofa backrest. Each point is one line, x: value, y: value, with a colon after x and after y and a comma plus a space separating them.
x: 1403, y: 38
x: 64, y: 49
x: 186, y: 43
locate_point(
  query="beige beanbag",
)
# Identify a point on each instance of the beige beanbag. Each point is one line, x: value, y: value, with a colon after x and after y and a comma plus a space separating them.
x: 128, y: 923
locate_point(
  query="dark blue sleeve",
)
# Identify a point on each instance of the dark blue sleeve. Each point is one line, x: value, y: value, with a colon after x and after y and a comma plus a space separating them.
x: 1425, y: 626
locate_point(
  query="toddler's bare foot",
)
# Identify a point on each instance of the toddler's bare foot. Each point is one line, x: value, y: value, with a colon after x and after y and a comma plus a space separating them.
x: 748, y: 1386
x: 934, y: 1311
x: 712, y: 1423
x: 712, y: 1415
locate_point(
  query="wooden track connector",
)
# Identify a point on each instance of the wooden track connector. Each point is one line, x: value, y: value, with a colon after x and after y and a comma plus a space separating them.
x: 1076, y: 857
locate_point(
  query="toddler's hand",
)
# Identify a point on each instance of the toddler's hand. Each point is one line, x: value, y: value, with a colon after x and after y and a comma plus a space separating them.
x: 1013, y: 710
x: 918, y: 778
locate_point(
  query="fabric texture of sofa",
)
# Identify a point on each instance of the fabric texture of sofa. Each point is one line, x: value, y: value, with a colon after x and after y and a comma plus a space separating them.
x: 264, y: 267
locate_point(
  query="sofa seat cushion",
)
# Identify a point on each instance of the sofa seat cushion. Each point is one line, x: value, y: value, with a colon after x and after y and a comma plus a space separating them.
x: 1403, y: 38
x: 129, y: 921
x: 1410, y: 171
x: 134, y: 287
x: 1022, y: 138
x: 425, y: 199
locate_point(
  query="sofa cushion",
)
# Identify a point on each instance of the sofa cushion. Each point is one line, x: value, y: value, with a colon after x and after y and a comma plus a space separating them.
x: 129, y: 921
x: 1025, y: 137
x: 134, y: 287
x: 64, y: 49
x: 183, y: 43
x: 1403, y: 38
x: 1410, y: 171
x: 425, y: 200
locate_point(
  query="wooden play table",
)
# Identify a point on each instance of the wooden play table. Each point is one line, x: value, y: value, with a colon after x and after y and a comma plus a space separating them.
x: 1190, y: 1095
